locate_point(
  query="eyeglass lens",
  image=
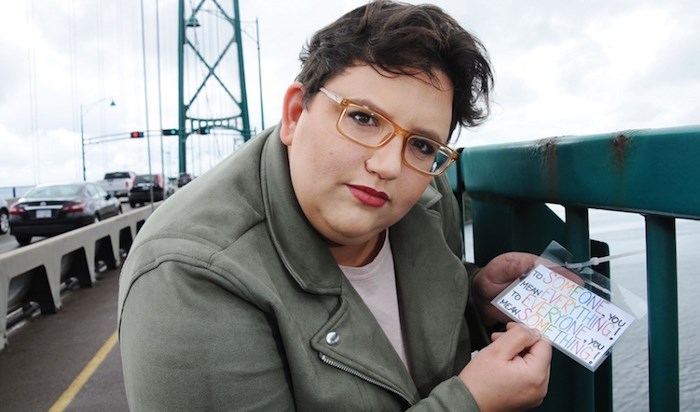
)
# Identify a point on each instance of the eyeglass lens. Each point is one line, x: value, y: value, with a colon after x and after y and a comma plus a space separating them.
x: 373, y: 129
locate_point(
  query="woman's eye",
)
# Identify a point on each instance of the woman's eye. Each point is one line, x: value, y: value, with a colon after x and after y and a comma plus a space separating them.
x: 364, y: 118
x: 423, y: 146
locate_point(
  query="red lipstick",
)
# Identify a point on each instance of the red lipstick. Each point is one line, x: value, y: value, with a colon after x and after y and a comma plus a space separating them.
x: 368, y: 196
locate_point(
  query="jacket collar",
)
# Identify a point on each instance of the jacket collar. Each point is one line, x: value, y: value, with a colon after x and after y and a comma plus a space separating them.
x: 302, y: 250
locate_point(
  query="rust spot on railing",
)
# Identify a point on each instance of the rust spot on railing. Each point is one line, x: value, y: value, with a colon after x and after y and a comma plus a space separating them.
x: 547, y: 149
x: 547, y: 152
x: 620, y: 146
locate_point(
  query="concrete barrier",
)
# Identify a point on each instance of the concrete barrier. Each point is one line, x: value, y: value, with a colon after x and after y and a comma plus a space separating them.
x: 34, y: 273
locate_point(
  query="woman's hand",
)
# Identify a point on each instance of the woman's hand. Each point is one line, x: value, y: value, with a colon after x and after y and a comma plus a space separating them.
x: 512, y: 373
x: 500, y: 272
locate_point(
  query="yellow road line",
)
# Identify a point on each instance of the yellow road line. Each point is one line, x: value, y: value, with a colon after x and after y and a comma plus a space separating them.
x: 70, y: 393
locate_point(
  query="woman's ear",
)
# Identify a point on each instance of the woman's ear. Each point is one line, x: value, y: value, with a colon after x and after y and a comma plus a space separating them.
x: 292, y: 106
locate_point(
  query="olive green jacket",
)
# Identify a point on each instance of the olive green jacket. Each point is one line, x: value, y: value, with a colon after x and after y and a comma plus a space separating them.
x: 229, y: 300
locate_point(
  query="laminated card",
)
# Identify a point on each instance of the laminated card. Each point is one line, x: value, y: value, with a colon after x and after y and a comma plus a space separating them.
x: 575, y: 320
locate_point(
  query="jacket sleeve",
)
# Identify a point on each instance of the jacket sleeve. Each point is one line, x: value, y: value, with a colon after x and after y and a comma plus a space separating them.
x: 182, y: 350
x: 450, y: 395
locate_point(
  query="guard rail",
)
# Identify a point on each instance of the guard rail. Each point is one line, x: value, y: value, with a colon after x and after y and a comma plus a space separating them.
x: 35, y: 273
x: 650, y: 172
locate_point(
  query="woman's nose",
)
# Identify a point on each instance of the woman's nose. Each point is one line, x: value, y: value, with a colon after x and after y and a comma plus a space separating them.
x: 387, y: 160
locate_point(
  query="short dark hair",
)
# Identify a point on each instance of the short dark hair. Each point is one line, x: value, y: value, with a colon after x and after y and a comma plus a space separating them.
x: 403, y: 39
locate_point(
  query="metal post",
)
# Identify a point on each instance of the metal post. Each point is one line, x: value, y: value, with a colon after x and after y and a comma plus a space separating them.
x: 182, y: 113
x: 160, y: 106
x: 82, y: 141
x: 84, y: 109
x: 262, y: 107
x: 578, y: 243
x: 241, y: 73
x: 662, y: 295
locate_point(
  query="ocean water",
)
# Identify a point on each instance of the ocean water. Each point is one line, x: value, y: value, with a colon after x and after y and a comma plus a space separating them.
x: 11, y: 192
x: 625, y: 232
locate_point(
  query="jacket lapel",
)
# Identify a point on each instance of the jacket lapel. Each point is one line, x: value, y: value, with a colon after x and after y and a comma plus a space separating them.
x: 361, y: 347
x: 433, y: 290
x: 302, y: 250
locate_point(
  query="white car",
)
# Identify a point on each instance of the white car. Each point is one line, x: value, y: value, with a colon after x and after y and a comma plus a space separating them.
x: 117, y: 184
x: 4, y: 217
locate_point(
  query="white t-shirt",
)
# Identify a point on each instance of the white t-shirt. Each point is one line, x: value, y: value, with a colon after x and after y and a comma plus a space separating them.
x: 376, y: 284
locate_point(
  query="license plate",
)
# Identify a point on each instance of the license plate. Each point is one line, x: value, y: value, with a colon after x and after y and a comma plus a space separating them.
x: 43, y: 213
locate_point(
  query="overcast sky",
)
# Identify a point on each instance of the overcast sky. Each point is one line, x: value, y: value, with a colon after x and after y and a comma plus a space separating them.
x: 562, y: 68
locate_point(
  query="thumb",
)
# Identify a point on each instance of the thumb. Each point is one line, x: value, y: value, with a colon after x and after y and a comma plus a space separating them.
x: 514, y: 340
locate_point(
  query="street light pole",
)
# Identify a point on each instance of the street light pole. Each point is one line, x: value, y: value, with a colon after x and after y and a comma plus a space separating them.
x: 84, y: 109
x: 262, y: 107
x: 256, y: 39
x: 82, y: 141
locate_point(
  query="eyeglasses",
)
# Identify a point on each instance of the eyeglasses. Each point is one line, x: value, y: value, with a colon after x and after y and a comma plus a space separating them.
x: 371, y: 129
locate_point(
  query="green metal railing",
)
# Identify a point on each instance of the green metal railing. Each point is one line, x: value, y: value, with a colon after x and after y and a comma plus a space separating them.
x: 650, y: 172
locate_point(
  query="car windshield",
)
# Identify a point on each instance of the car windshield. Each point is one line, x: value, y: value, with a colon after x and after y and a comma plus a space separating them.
x: 54, y: 191
x: 145, y: 179
x: 117, y: 175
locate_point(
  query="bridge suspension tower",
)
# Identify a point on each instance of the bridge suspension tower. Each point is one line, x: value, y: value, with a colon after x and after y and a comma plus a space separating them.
x: 209, y: 97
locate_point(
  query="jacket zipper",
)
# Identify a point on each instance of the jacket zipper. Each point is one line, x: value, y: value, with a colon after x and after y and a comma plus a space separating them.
x: 355, y: 372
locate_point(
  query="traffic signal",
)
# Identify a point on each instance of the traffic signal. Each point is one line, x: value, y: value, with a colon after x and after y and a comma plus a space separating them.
x: 169, y: 132
x: 203, y: 130
x: 136, y: 135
